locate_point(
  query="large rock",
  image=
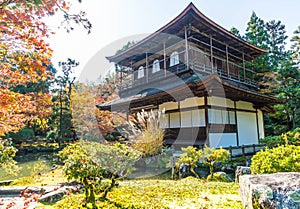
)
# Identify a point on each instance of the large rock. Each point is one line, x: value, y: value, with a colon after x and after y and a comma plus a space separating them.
x: 272, y: 191
x: 240, y: 171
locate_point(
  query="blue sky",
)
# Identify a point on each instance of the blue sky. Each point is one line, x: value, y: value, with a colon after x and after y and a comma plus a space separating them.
x: 117, y: 19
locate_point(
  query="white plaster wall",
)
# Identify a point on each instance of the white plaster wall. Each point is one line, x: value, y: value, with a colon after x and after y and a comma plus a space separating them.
x: 244, y: 105
x: 219, y: 101
x: 168, y: 106
x: 192, y: 102
x: 261, y: 124
x: 222, y: 139
x: 247, y: 128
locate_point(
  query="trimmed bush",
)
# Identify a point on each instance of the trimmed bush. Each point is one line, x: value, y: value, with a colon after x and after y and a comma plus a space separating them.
x: 290, y: 137
x: 285, y: 158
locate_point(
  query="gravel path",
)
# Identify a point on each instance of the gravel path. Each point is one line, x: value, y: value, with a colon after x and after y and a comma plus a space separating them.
x: 16, y: 202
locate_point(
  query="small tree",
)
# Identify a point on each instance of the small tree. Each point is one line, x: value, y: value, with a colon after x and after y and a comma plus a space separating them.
x: 211, y: 155
x: 91, y: 162
x: 117, y: 160
x: 190, y: 156
x: 81, y: 166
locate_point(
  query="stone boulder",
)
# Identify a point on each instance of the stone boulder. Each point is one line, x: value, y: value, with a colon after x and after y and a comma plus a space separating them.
x: 240, y: 171
x: 272, y: 191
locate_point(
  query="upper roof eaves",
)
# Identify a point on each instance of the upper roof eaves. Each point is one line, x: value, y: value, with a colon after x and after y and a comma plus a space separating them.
x: 189, y: 12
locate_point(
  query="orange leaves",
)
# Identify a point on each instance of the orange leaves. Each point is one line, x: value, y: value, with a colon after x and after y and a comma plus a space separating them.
x: 24, y: 58
x: 13, y: 106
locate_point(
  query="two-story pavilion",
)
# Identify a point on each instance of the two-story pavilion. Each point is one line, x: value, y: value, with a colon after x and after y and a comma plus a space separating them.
x: 201, y: 75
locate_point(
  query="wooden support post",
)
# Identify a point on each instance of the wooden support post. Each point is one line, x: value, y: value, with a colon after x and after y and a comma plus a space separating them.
x: 147, y: 66
x: 244, y: 67
x: 236, y: 124
x: 206, y: 121
x: 211, y: 54
x: 257, y: 125
x: 227, y: 61
x: 165, y: 60
x: 132, y: 79
x: 186, y: 48
x: 121, y: 78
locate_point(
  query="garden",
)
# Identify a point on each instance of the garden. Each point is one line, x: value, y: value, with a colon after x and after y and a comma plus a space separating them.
x: 57, y: 150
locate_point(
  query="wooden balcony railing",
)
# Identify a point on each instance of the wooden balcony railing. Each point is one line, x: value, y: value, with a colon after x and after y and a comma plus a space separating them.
x: 199, y: 62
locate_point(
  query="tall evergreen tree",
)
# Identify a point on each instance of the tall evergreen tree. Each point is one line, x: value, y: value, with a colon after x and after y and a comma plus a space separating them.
x: 61, y: 119
x: 277, y: 41
x: 296, y: 44
x: 271, y: 36
x: 278, y: 71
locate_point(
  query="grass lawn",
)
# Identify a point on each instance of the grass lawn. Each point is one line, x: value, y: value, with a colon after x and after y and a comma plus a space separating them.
x: 187, y: 193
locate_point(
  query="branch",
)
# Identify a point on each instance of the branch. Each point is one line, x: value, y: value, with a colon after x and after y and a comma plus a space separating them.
x: 77, y: 18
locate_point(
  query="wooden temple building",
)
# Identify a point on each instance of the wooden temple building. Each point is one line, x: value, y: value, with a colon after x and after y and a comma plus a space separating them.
x: 201, y: 75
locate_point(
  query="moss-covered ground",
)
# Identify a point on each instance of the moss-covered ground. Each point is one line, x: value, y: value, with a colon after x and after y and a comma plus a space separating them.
x: 149, y: 194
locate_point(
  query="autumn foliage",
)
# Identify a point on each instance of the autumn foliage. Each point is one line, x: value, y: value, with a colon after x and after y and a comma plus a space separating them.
x: 24, y: 58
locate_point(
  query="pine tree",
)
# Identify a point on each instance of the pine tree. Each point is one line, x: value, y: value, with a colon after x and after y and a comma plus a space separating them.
x: 61, y: 119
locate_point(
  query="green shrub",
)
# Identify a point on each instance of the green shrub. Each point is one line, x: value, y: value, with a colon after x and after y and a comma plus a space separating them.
x: 208, y: 156
x: 290, y: 137
x: 211, y: 155
x: 285, y: 158
x: 271, y: 141
x: 24, y: 135
x: 81, y: 166
x: 91, y: 162
x: 190, y: 157
x: 7, y: 154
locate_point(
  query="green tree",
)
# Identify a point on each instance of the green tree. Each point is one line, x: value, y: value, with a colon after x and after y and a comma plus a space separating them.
x: 210, y: 156
x: 277, y: 41
x: 190, y: 157
x: 296, y: 44
x: 236, y: 32
x: 257, y: 35
x: 91, y: 162
x: 278, y: 71
x: 289, y: 93
x: 79, y: 165
x: 61, y: 119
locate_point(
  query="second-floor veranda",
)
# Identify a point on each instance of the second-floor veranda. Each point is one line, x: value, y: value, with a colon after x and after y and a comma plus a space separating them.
x: 189, y: 55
